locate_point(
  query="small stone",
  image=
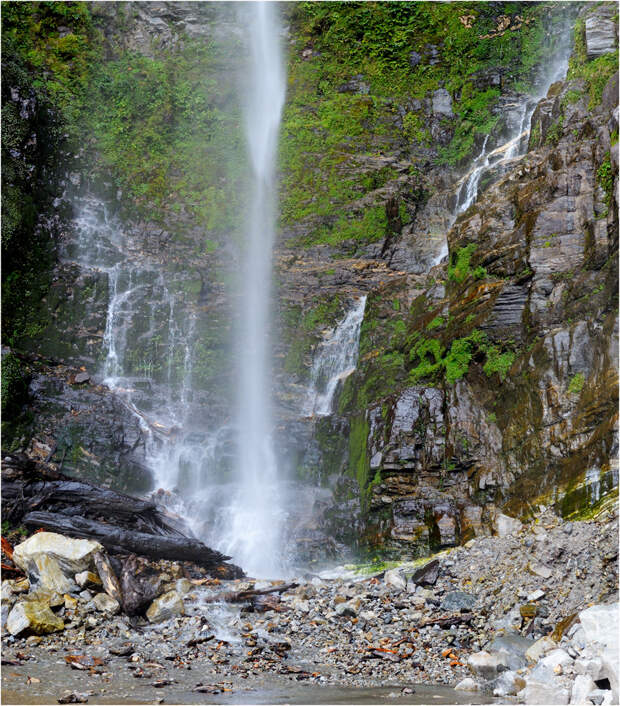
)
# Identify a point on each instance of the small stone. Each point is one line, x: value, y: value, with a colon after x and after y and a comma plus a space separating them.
x: 542, y: 695
x: 508, y: 684
x: 7, y: 591
x: 528, y: 610
x: 106, y: 604
x: 165, y: 607
x: 428, y: 574
x: 396, y: 579
x: 487, y: 665
x: 70, y: 602
x: 88, y: 579
x: 349, y: 609
x: 535, y: 595
x: 81, y: 378
x: 467, y: 684
x: 540, y: 570
x: 458, y: 601
x: 34, y: 616
x: 582, y: 686
x: 504, y: 525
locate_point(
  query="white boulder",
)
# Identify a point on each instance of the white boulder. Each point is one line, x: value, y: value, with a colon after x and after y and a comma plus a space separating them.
x: 51, y: 560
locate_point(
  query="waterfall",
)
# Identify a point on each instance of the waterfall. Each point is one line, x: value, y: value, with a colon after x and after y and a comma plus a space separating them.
x: 253, y: 537
x: 494, y: 158
x: 335, y: 360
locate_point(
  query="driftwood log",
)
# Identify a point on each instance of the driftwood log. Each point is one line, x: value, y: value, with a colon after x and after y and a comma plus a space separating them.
x: 258, y: 600
x: 36, y: 495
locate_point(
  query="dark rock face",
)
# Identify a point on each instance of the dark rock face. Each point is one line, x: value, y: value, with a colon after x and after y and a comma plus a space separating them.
x: 88, y: 431
x: 443, y: 458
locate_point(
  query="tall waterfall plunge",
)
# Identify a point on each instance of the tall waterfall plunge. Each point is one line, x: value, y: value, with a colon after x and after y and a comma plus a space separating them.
x: 253, y: 537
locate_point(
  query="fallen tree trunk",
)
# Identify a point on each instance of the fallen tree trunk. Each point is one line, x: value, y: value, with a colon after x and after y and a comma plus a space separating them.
x: 126, y: 541
x: 28, y: 486
x: 35, y: 494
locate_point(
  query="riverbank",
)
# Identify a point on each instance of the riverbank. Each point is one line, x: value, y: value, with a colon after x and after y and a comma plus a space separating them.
x: 394, y: 630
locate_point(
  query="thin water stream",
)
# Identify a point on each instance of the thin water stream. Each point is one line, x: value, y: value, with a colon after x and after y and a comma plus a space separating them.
x: 495, y: 158
x: 334, y: 360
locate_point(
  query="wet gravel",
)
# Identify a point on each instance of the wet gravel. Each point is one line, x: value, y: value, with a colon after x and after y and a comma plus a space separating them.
x: 332, y: 631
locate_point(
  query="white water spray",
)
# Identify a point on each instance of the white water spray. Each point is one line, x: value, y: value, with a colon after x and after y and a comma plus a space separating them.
x: 334, y: 361
x: 253, y: 538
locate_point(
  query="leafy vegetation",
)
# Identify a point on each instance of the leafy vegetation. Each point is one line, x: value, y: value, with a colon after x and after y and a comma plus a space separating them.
x: 459, y: 271
x: 352, y: 71
x: 605, y: 176
x: 575, y: 386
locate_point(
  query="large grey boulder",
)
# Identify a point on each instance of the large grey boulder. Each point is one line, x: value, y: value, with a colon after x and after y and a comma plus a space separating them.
x: 51, y: 560
x: 442, y: 103
x: 487, y: 665
x: 582, y: 686
x: 600, y: 35
x: 396, y: 578
x: 600, y: 624
x: 504, y: 525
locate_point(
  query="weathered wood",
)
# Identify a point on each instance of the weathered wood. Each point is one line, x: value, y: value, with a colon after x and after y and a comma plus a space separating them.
x: 139, y: 586
x: 149, y: 545
x: 257, y: 598
x: 37, y: 495
x: 108, y: 577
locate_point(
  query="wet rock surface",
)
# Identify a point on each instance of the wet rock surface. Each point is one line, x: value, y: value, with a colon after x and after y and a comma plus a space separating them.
x: 387, y: 628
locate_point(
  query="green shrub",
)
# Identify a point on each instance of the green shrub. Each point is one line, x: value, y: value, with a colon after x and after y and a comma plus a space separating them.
x: 605, y: 176
x: 460, y: 270
x: 576, y: 384
x: 458, y: 359
x: 498, y: 362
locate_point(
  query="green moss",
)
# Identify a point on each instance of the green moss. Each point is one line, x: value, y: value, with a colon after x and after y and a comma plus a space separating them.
x: 435, y: 323
x: 458, y: 359
x: 459, y: 271
x: 554, y: 133
x: 576, y: 384
x: 359, y: 464
x: 345, y: 95
x: 429, y: 353
x: 368, y: 227
x: 605, y: 176
x: 415, y: 130
x: 498, y: 362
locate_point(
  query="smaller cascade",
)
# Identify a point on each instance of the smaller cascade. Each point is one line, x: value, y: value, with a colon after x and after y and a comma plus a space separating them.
x: 593, y: 484
x: 336, y: 359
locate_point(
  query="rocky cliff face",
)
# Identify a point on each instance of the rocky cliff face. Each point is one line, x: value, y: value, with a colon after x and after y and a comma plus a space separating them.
x: 486, y: 383
x: 491, y: 382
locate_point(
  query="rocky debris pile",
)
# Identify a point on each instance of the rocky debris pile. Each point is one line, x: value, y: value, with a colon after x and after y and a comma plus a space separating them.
x: 72, y: 583
x: 579, y: 666
x: 479, y: 616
